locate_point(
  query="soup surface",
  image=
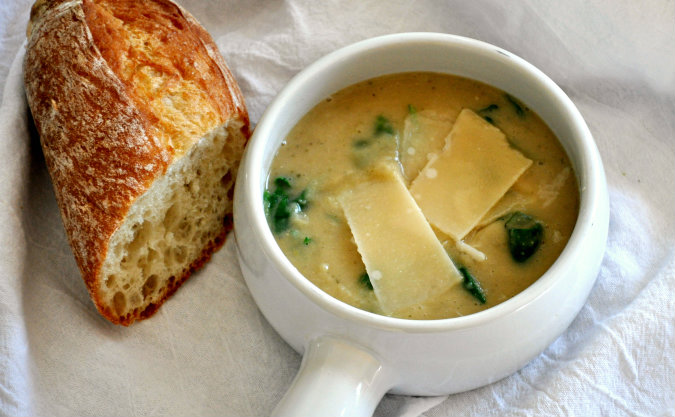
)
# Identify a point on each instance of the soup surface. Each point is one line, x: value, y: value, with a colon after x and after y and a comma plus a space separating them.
x: 357, y: 200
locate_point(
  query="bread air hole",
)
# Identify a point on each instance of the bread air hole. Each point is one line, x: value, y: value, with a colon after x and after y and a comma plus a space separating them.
x: 226, y: 180
x: 119, y: 303
x: 171, y: 217
x: 230, y: 192
x: 150, y: 285
x: 110, y: 281
x: 153, y: 256
x: 179, y: 254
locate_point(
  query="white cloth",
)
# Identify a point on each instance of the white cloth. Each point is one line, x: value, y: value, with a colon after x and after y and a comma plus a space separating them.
x: 208, y: 351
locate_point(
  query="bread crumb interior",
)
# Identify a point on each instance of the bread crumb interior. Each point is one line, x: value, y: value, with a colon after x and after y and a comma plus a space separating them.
x: 170, y: 225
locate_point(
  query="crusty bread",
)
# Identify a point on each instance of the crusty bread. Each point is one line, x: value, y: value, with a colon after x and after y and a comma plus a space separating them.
x: 142, y: 127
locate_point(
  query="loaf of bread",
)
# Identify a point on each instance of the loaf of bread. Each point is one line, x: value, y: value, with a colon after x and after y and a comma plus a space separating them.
x: 142, y: 127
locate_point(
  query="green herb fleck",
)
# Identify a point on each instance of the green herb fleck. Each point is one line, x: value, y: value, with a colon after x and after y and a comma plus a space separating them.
x: 283, y: 182
x: 412, y: 109
x: 520, y: 111
x: 307, y: 241
x: 383, y: 125
x: 489, y: 109
x: 525, y: 235
x: 360, y: 143
x: 492, y: 107
x: 364, y: 279
x: 471, y: 284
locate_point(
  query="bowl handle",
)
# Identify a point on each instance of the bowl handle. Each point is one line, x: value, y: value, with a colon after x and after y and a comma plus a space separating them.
x: 336, y: 378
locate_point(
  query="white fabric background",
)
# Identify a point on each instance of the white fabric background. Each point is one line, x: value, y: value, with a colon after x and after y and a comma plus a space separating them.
x: 209, y: 352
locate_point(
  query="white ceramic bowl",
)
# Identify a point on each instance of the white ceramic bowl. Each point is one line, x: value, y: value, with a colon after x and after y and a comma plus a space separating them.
x: 353, y: 357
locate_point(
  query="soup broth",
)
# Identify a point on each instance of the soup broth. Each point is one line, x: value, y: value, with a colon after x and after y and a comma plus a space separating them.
x: 393, y: 135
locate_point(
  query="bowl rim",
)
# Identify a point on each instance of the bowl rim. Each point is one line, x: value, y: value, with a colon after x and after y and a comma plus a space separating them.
x: 590, y: 181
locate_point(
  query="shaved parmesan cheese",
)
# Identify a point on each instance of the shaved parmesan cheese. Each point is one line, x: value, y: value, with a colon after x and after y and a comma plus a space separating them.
x: 404, y: 259
x: 424, y: 134
x: 474, y: 171
x: 471, y: 251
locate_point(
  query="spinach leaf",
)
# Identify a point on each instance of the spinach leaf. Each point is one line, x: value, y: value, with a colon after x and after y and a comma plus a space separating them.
x: 383, y: 125
x: 360, y: 143
x: 364, y: 279
x: 492, y: 107
x: 279, y: 206
x: 520, y: 111
x: 525, y: 235
x: 382, y: 144
x: 485, y: 111
x: 283, y: 182
x: 471, y: 284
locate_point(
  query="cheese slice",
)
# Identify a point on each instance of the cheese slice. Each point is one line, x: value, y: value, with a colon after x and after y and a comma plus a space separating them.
x: 474, y: 171
x: 424, y: 134
x: 405, y: 261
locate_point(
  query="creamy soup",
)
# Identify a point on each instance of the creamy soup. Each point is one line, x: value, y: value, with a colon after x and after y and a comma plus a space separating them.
x: 421, y: 196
